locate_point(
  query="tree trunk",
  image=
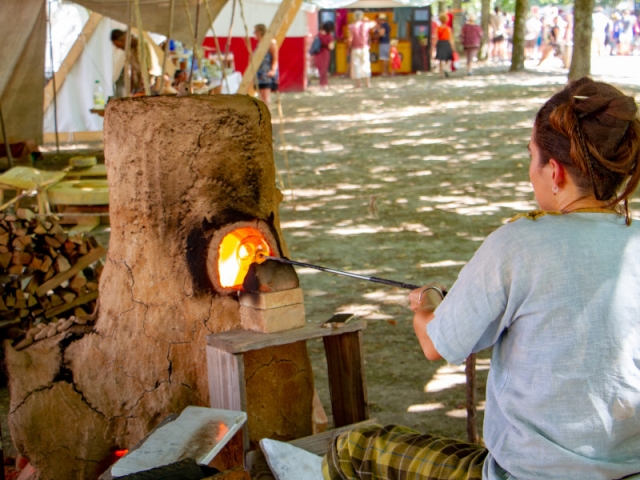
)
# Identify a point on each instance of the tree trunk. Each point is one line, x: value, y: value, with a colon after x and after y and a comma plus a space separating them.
x: 442, y: 7
x: 485, y: 44
x: 457, y: 22
x: 582, y: 24
x: 517, y: 56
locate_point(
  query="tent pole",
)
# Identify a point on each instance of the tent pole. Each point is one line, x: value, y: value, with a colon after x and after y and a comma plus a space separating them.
x: 7, y: 145
x: 127, y: 54
x: 166, y: 44
x: 53, y: 79
x: 142, y: 51
x: 217, y: 42
x: 195, y: 47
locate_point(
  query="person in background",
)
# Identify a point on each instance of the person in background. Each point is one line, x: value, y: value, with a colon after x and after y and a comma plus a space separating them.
x: 434, y: 35
x: 268, y: 74
x: 119, y: 40
x: 323, y: 58
x: 359, y: 47
x: 470, y: 36
x: 498, y: 33
x: 444, y: 47
x: 394, y: 57
x: 554, y: 293
x: 553, y: 42
x: 614, y: 33
x: 383, y: 33
x: 626, y: 33
x: 599, y: 23
x: 532, y: 29
x: 179, y: 77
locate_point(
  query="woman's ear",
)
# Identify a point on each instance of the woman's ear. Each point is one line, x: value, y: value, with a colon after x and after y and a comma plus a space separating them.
x: 558, y: 172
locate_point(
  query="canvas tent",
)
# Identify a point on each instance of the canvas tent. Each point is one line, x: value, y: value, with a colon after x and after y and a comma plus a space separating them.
x: 23, y: 24
x: 23, y: 27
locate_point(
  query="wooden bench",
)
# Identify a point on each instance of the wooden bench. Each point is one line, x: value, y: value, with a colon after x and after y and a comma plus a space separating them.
x: 345, y: 362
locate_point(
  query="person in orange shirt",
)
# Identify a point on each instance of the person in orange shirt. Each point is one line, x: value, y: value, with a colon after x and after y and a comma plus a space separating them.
x: 444, y: 47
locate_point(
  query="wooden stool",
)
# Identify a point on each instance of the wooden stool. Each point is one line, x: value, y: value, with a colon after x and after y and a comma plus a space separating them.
x: 345, y: 362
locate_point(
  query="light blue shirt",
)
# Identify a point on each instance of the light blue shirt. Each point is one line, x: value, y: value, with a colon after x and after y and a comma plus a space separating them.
x: 559, y: 300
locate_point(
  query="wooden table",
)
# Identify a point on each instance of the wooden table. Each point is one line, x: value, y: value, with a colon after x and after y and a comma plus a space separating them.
x: 345, y: 362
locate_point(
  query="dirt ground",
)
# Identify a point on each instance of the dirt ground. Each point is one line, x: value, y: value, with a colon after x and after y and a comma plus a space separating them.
x: 402, y: 181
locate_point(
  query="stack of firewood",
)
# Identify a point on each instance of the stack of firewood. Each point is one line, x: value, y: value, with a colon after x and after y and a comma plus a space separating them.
x: 47, y: 276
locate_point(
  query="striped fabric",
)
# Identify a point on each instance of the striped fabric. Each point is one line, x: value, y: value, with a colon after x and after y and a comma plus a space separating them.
x: 374, y: 452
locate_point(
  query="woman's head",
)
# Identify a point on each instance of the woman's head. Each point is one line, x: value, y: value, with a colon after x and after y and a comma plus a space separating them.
x: 593, y: 131
x: 259, y: 30
x: 443, y: 18
x: 328, y: 27
x: 358, y: 15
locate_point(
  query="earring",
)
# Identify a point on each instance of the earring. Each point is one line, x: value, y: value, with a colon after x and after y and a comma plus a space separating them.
x: 555, y: 189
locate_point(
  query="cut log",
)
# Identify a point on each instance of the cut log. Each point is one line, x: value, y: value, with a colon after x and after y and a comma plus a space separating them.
x: 78, y: 282
x: 62, y: 264
x: 5, y: 259
x: 83, y: 262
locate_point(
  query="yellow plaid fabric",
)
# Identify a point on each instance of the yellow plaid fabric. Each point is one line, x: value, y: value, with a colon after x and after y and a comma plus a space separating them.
x: 375, y: 452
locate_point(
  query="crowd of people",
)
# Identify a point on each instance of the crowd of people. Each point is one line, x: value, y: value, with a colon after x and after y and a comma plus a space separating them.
x: 548, y: 34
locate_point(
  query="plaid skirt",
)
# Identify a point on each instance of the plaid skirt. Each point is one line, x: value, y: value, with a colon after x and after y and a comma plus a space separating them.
x: 399, y: 453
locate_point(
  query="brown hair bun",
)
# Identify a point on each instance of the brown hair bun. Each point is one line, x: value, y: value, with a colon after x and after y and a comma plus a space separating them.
x: 592, y: 129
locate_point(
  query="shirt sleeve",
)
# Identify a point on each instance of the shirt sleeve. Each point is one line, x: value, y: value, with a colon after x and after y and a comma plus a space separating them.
x: 472, y: 315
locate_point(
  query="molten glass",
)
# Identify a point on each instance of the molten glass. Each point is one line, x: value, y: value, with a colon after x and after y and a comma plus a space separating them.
x: 238, y: 250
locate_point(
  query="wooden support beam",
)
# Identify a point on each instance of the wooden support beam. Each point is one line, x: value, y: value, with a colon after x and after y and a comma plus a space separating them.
x: 281, y: 22
x: 71, y: 58
x: 284, y: 28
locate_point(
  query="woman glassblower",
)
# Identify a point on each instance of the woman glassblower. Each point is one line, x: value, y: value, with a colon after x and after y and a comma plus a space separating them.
x: 555, y: 292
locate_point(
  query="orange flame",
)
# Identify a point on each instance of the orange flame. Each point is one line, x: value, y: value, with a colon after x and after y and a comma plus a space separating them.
x: 238, y: 250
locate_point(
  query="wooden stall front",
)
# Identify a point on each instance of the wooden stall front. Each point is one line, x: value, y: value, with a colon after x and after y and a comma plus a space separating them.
x: 410, y: 26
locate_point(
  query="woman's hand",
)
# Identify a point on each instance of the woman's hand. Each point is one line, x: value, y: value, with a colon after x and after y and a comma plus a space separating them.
x: 427, y: 298
x: 271, y: 73
x: 424, y: 301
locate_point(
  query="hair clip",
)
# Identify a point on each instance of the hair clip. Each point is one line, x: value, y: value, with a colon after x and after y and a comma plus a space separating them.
x: 580, y: 97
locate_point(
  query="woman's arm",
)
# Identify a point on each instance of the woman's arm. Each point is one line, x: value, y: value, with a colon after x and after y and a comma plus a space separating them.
x: 273, y: 49
x: 420, y: 321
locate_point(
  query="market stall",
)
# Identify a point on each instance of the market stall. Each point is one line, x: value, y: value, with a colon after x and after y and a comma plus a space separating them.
x: 410, y: 26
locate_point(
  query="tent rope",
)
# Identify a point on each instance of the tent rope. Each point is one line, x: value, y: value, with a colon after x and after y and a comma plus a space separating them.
x: 195, y: 40
x: 228, y: 45
x: 55, y: 94
x: 195, y: 49
x: 283, y: 146
x: 142, y: 50
x: 166, y: 43
x: 246, y: 29
x: 218, y: 50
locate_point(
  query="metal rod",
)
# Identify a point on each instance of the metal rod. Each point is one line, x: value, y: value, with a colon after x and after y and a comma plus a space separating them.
x: 345, y: 274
